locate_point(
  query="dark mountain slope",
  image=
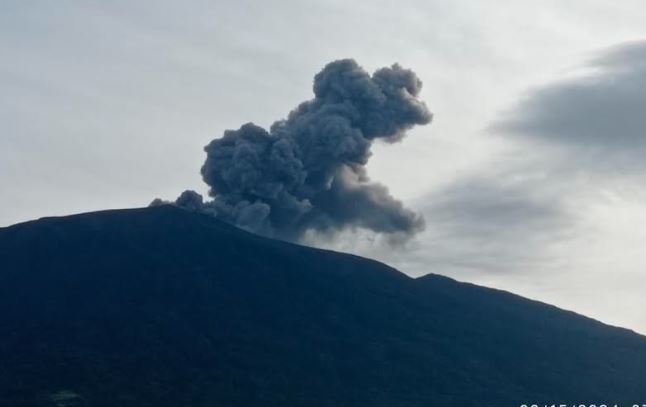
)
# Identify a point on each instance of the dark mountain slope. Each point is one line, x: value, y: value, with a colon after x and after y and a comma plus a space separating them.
x: 163, y: 307
x: 550, y: 353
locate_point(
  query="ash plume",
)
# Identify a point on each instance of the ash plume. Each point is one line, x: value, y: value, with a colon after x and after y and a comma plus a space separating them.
x: 307, y: 172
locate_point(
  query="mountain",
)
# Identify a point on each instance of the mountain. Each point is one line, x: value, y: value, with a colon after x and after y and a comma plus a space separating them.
x: 165, y: 307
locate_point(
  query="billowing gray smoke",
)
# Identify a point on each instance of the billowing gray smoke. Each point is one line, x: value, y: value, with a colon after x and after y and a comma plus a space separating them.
x: 308, y: 171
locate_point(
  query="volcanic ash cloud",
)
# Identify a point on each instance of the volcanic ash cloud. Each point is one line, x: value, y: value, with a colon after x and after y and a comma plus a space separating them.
x: 308, y: 171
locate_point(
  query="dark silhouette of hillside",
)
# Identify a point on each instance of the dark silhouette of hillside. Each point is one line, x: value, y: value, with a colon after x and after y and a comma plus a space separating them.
x: 165, y: 307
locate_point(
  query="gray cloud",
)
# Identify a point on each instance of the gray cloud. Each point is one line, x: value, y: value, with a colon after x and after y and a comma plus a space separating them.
x: 481, y: 208
x: 494, y: 224
x: 567, y: 137
x: 308, y: 171
x: 598, y: 115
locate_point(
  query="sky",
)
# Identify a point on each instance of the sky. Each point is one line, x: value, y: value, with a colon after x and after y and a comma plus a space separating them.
x: 530, y: 176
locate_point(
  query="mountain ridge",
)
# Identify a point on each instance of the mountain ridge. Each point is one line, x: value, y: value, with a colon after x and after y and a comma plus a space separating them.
x: 429, y: 276
x: 511, y: 294
x: 165, y: 307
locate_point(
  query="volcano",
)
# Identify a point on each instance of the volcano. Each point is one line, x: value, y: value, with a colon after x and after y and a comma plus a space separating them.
x: 161, y: 307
